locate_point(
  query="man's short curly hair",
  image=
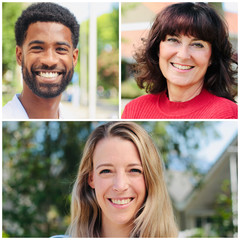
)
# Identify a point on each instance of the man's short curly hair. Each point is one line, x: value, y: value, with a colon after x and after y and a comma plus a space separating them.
x: 46, y: 12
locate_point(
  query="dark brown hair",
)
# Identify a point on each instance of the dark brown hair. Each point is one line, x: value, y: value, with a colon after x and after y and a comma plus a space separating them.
x: 191, y: 19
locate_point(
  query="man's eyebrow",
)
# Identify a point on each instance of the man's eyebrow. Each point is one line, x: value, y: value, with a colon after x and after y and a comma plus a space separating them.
x: 42, y: 42
x: 35, y: 42
x: 63, y: 43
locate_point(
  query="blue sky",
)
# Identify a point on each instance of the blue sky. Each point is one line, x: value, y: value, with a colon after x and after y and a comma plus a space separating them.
x: 230, y: 6
x: 210, y: 147
x: 210, y: 152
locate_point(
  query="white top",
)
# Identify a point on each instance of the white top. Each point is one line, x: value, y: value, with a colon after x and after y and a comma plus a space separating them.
x: 15, y: 110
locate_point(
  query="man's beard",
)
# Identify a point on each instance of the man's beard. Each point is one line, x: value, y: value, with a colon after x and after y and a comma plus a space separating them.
x: 46, y: 90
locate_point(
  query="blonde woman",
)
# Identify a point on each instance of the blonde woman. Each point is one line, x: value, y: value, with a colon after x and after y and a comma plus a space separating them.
x: 120, y: 189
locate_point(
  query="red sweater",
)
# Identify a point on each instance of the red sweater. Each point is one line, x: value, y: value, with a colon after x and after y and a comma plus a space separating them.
x: 158, y: 106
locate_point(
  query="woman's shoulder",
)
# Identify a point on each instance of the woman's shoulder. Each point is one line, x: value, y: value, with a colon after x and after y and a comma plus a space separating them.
x: 225, y: 102
x: 137, y: 107
x: 147, y: 98
x: 224, y: 107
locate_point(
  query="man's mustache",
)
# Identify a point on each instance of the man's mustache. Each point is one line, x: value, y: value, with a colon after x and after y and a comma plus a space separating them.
x: 49, y: 68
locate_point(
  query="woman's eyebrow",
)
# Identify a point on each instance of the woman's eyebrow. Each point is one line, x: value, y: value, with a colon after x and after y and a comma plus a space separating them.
x: 111, y: 165
x: 135, y: 164
x: 104, y: 165
x: 197, y: 39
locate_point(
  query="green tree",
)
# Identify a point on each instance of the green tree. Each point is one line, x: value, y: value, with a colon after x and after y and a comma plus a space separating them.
x: 40, y: 161
x: 10, y: 81
x: 108, y: 30
x: 10, y: 13
x: 223, y: 218
x: 107, y: 47
x: 180, y: 141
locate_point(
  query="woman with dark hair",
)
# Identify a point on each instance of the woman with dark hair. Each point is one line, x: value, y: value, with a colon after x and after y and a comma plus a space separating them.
x: 187, y: 65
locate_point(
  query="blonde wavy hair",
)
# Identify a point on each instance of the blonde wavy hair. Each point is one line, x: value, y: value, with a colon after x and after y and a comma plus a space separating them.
x: 154, y: 219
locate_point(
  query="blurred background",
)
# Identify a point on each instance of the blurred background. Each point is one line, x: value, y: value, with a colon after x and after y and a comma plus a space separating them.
x: 40, y: 162
x: 93, y: 91
x: 136, y: 21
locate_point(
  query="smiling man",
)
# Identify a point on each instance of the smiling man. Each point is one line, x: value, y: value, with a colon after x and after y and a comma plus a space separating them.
x: 46, y: 38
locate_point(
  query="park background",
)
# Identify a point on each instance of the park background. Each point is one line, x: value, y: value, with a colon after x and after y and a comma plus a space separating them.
x: 136, y: 21
x: 93, y: 91
x: 41, y: 159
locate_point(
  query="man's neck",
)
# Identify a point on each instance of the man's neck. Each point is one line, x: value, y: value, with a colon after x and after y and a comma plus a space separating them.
x: 40, y: 108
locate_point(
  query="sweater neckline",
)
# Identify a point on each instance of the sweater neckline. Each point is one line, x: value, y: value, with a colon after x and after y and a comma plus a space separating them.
x: 184, y: 108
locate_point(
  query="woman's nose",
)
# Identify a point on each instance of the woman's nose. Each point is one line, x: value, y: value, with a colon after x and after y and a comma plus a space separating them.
x: 120, y: 183
x: 183, y: 52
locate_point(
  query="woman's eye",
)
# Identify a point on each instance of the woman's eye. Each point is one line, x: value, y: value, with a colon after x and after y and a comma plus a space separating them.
x: 171, y: 39
x: 135, y: 170
x: 198, y: 45
x: 105, y: 171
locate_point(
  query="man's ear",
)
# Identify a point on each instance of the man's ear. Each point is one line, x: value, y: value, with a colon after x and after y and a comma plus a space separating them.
x: 75, y: 56
x: 19, y: 55
x: 91, y: 180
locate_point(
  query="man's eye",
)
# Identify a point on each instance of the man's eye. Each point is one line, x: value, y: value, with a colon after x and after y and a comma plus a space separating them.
x: 36, y: 48
x: 60, y: 49
x: 104, y: 171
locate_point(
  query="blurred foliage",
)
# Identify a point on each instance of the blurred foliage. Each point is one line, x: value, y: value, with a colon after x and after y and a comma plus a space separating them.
x: 223, y: 218
x: 10, y: 13
x: 222, y: 221
x: 126, y: 6
x: 108, y: 30
x: 108, y: 49
x: 40, y: 162
x: 4, y: 235
x: 10, y: 83
x: 108, y: 69
x: 130, y: 90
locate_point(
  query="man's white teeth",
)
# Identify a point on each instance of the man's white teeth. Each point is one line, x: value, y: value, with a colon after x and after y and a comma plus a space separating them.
x: 121, y: 201
x: 48, y: 74
x: 181, y: 67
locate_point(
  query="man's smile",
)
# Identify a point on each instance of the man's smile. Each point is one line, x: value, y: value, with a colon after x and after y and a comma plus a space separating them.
x: 48, y: 74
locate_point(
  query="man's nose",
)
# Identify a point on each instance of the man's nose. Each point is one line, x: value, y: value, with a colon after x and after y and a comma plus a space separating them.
x: 120, y: 183
x: 49, y: 58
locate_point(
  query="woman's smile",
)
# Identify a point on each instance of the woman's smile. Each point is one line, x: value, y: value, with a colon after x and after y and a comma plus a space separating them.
x: 181, y: 67
x: 120, y: 202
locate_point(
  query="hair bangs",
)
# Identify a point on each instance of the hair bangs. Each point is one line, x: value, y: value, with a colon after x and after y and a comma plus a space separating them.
x: 190, y: 22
